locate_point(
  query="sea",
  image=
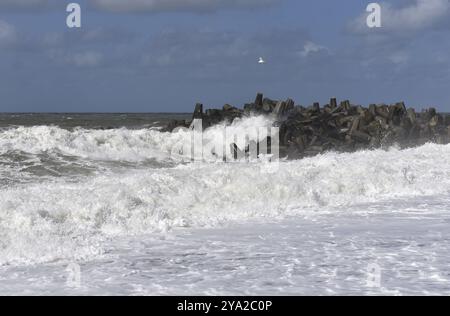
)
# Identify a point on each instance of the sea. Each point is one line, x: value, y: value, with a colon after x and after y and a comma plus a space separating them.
x: 99, y: 204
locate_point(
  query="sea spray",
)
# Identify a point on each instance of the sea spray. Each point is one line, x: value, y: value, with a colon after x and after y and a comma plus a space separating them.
x: 122, y: 144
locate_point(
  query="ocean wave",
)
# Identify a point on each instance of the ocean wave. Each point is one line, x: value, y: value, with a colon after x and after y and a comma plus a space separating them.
x: 71, y: 220
x: 112, y: 145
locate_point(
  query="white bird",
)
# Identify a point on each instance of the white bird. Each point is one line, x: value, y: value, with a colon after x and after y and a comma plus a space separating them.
x: 261, y: 61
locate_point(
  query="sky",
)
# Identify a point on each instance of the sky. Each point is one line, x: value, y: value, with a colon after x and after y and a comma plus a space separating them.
x: 166, y: 55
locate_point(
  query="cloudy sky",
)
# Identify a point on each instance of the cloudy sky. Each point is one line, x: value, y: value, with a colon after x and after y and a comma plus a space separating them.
x: 165, y: 55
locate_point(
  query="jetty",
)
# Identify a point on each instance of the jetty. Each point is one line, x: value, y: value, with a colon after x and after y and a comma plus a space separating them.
x: 336, y: 126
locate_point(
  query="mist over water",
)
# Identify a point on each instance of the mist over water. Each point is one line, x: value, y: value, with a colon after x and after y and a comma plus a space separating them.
x: 72, y: 193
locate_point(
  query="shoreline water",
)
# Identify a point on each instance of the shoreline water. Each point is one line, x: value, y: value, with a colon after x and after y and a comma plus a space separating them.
x: 114, y: 204
x: 308, y: 255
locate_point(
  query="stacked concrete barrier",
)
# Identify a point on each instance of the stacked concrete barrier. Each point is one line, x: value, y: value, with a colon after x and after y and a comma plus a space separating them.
x: 342, y: 127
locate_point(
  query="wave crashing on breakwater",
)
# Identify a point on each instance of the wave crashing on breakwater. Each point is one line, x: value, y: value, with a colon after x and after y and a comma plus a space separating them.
x: 54, y: 218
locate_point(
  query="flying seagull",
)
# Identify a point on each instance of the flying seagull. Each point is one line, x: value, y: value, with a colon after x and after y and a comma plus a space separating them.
x: 261, y: 61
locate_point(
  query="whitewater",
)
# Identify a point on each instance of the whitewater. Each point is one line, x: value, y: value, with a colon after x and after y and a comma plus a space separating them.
x: 135, y: 220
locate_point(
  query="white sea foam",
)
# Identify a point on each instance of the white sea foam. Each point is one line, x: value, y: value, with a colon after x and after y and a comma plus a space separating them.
x: 116, y: 144
x: 60, y: 219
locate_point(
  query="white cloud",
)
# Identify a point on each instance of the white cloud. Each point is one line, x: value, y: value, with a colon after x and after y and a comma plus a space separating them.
x: 143, y: 5
x: 399, y: 58
x: 7, y: 32
x: 85, y: 59
x: 311, y: 48
x: 419, y: 15
x: 178, y: 5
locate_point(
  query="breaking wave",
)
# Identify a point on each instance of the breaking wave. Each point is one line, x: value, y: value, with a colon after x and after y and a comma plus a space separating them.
x: 54, y: 219
x: 111, y: 145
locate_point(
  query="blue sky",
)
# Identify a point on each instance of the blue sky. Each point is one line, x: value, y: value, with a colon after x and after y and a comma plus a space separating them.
x: 166, y: 55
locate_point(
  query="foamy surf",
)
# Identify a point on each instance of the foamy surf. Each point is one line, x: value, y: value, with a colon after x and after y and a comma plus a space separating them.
x: 59, y: 219
x: 130, y: 145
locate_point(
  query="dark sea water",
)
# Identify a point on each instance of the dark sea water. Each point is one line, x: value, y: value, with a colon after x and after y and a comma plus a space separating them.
x: 90, y: 120
x: 45, y: 145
